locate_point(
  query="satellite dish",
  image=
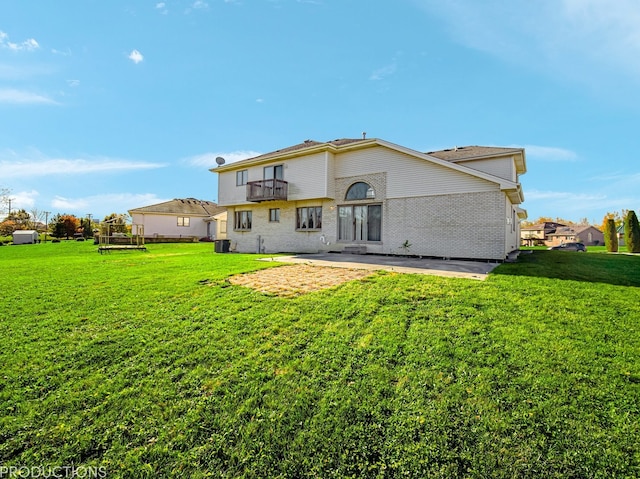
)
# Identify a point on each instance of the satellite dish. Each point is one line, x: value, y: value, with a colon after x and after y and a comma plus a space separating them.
x: 220, y: 161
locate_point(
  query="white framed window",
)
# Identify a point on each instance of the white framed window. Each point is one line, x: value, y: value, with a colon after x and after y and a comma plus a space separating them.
x: 274, y: 215
x: 309, y: 218
x: 242, y: 177
x: 360, y: 223
x: 242, y: 220
x: 274, y: 172
x: 183, y: 221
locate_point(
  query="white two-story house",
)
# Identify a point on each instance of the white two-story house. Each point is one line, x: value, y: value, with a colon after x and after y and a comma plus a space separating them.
x: 373, y: 196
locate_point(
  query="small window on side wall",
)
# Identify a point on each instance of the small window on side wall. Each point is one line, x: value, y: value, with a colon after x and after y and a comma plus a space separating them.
x: 242, y: 177
x: 274, y: 215
x: 183, y: 221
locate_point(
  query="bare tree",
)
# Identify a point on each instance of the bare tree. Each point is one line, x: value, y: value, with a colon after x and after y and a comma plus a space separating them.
x: 4, y: 200
x: 37, y: 219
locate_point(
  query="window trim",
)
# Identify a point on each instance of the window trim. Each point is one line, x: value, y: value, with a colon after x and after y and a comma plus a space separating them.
x: 242, y: 177
x: 238, y: 220
x: 184, y: 221
x: 316, y: 208
x: 274, y: 212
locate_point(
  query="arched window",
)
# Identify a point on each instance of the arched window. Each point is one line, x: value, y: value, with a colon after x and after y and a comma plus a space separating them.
x: 360, y: 191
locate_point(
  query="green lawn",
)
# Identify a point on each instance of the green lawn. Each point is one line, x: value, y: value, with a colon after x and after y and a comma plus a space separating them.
x: 153, y: 365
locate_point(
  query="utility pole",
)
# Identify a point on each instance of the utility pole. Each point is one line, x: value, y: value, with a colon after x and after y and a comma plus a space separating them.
x: 46, y: 227
x: 9, y: 199
x: 89, y: 215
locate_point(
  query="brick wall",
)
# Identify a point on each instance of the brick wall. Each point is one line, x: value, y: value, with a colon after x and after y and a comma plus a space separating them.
x: 470, y: 225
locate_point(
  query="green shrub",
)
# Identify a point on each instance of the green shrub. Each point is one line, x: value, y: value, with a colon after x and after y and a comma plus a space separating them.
x: 611, y: 236
x: 632, y: 232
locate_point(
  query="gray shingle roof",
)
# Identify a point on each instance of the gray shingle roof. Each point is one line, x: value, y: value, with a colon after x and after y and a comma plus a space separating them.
x: 467, y: 152
x: 185, y: 206
x: 308, y: 144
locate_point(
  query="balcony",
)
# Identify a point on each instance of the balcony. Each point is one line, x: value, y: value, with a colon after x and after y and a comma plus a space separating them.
x: 267, y: 190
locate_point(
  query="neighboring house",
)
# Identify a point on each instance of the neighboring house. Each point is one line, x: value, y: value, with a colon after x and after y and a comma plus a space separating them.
x: 589, y: 235
x: 620, y: 231
x: 537, y: 235
x: 25, y: 237
x: 180, y: 218
x: 373, y: 196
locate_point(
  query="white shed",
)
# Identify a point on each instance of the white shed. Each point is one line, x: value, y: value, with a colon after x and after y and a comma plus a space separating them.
x: 25, y: 237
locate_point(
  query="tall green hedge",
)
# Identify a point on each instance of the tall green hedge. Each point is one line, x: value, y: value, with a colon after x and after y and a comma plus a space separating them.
x: 632, y: 232
x: 611, y: 236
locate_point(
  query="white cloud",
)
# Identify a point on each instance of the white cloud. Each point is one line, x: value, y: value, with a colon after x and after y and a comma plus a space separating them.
x: 19, y: 72
x: 35, y: 164
x: 24, y: 200
x: 29, y: 44
x: 197, y: 5
x: 68, y: 205
x: 383, y: 72
x: 117, y: 203
x: 64, y: 53
x: 549, y: 153
x: 618, y: 177
x: 135, y: 56
x: 208, y: 160
x: 73, y: 83
x: 563, y: 196
x: 161, y: 6
x: 10, y: 95
x: 587, y: 41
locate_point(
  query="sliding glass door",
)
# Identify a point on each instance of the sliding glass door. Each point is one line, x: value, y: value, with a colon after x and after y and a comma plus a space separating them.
x: 360, y: 223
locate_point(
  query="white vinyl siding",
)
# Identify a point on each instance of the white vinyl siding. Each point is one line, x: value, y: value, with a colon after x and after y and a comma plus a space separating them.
x: 308, y: 177
x: 228, y: 192
x: 502, y: 167
x: 408, y: 176
x: 158, y: 224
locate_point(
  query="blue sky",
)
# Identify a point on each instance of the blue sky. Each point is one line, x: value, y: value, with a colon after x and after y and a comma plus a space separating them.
x: 107, y: 106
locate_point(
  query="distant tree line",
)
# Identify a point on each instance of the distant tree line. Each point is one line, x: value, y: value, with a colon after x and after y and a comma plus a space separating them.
x: 60, y: 225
